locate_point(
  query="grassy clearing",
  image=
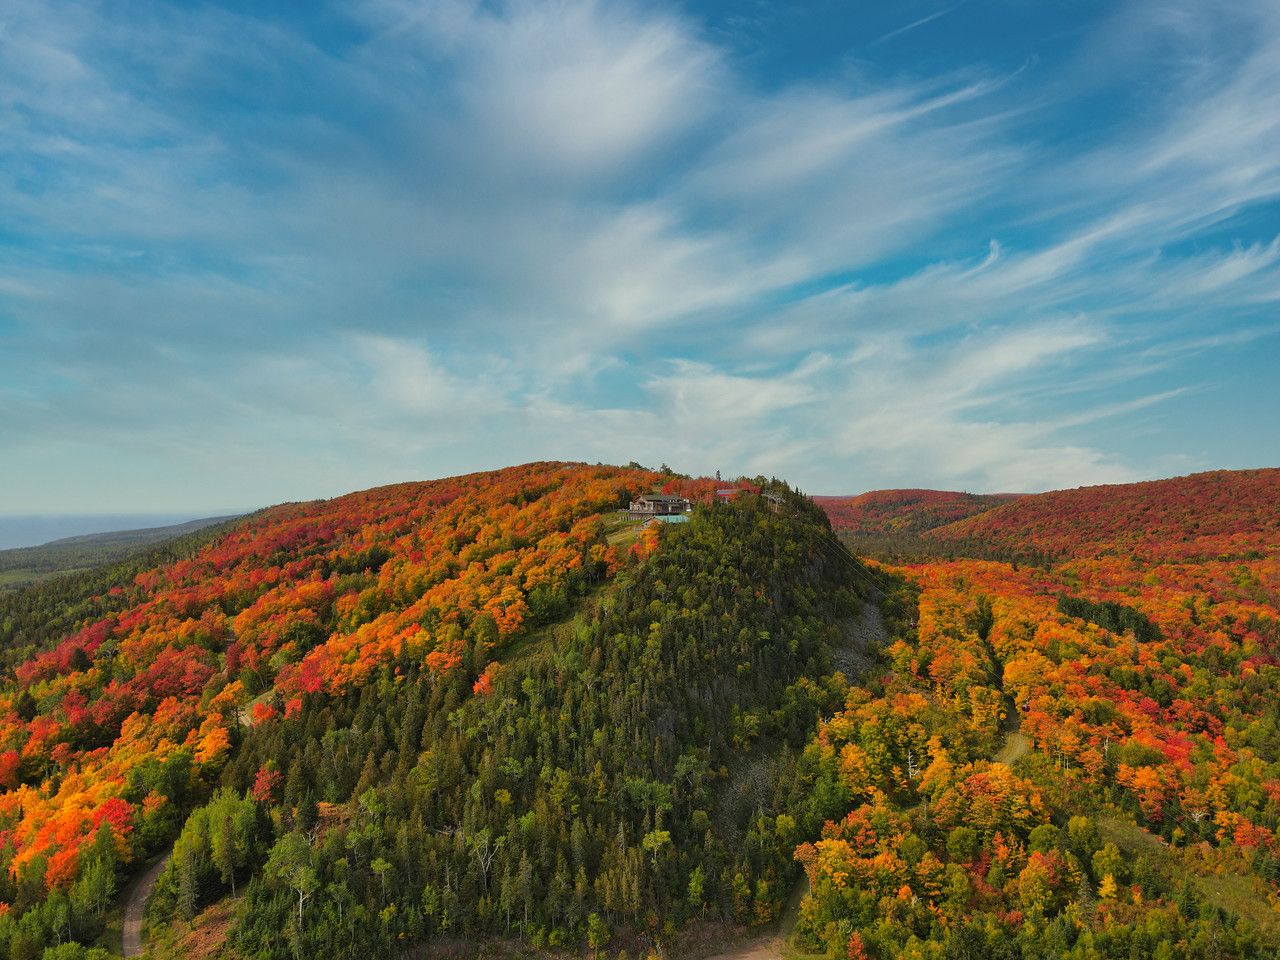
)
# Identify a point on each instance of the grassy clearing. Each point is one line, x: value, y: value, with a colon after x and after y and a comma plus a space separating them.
x: 621, y: 529
x: 18, y: 577
x: 1242, y: 895
x: 1015, y: 748
x: 245, y: 713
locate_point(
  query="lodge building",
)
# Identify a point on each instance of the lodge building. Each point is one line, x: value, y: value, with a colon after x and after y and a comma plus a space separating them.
x: 660, y: 504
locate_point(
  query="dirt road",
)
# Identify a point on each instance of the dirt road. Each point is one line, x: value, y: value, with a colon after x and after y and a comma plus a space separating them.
x: 769, y: 949
x: 135, y: 903
x: 1015, y: 747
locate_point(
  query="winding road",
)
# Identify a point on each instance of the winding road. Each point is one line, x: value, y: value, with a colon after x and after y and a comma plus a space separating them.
x: 135, y: 904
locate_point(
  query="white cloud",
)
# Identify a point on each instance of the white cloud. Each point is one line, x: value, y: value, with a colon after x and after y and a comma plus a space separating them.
x: 697, y: 393
x: 489, y: 232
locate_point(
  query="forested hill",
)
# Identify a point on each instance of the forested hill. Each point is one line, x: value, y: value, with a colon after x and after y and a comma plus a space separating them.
x: 486, y: 706
x: 1222, y: 514
x: 888, y: 512
x: 499, y: 713
x: 1074, y: 757
x: 1225, y: 513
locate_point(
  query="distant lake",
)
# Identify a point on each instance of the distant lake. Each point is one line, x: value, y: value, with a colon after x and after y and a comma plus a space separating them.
x: 19, y: 531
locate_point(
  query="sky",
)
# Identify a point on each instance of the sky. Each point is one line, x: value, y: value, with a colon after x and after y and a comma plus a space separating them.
x: 31, y: 530
x: 252, y: 252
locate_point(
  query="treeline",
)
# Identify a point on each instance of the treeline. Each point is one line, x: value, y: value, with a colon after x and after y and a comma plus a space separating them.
x: 638, y: 767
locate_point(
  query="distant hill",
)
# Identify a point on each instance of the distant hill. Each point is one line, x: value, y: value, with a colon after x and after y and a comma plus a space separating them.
x: 26, y: 565
x: 882, y: 512
x: 1225, y: 513
x: 1222, y: 514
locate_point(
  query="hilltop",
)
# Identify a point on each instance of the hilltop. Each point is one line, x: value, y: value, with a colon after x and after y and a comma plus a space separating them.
x: 492, y: 685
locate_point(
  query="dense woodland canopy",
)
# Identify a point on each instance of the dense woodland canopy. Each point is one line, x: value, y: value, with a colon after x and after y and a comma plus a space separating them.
x: 494, y: 708
x: 484, y: 705
x: 1126, y: 681
x: 577, y: 786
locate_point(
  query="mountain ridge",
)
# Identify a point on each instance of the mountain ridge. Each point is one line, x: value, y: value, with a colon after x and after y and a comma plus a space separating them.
x: 907, y: 510
x: 1234, y: 508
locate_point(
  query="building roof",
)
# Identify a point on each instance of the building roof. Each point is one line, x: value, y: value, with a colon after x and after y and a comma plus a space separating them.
x: 661, y: 498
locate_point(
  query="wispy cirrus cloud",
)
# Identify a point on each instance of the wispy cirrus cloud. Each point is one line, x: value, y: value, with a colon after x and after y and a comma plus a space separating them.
x: 253, y: 256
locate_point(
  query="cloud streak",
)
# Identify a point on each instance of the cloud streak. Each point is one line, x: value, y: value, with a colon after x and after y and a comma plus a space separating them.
x: 914, y: 24
x: 251, y: 258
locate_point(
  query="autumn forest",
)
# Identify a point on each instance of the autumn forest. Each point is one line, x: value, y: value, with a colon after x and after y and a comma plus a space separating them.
x: 498, y: 714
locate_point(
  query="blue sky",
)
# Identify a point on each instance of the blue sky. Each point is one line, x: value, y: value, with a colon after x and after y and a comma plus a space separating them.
x: 262, y: 252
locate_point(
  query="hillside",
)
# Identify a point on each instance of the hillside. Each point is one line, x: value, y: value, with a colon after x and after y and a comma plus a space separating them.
x: 494, y: 714
x: 1082, y: 763
x: 479, y: 684
x: 22, y: 566
x: 1226, y: 514
x: 889, y: 512
x: 1076, y: 757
